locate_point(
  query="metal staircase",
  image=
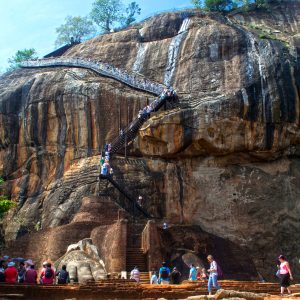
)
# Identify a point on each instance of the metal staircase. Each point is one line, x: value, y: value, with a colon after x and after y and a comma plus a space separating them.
x: 126, y: 201
x: 129, y: 134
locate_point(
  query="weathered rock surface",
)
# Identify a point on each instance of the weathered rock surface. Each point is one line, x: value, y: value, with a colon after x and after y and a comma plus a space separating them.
x: 227, y: 161
x: 83, y: 261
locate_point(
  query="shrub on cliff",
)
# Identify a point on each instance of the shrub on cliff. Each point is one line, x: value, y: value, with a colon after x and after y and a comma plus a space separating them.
x: 215, y: 5
x: 20, y: 56
x: 5, y: 203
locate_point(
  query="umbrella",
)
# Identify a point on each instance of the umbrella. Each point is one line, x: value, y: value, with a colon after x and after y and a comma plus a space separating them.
x: 18, y: 259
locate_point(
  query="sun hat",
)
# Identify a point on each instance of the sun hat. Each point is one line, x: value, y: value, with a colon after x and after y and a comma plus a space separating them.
x: 29, y: 262
x: 44, y: 263
x: 11, y: 264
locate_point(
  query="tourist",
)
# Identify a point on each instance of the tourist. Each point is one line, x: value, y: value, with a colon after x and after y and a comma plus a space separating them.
x: 105, y: 169
x: 102, y: 160
x: 175, y: 276
x: 193, y: 273
x: 21, y: 272
x: 47, y: 275
x: 154, y: 279
x: 28, y: 264
x: 202, y: 275
x: 11, y: 273
x: 164, y: 274
x: 135, y: 274
x: 140, y: 200
x: 31, y: 275
x: 285, y: 275
x: 107, y: 156
x: 165, y: 226
x: 213, y: 274
x: 111, y: 171
x: 63, y: 275
x: 2, y: 276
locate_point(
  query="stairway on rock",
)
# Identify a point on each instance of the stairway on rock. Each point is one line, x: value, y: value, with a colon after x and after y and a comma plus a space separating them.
x: 135, y: 255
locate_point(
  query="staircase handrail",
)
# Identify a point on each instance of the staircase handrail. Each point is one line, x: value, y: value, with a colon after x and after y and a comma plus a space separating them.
x: 124, y: 192
x: 156, y: 104
x: 134, y: 80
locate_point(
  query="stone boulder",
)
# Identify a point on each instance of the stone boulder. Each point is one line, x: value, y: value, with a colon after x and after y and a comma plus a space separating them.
x: 230, y: 294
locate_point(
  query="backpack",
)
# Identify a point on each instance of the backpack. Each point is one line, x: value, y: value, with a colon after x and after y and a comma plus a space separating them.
x: 21, y: 275
x: 62, y: 277
x: 164, y: 273
x: 48, y: 273
x: 2, y: 276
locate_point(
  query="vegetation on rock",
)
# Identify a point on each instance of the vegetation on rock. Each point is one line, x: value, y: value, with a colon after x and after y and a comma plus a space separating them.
x: 75, y: 28
x: 20, y: 56
x: 5, y: 203
x: 225, y: 5
x: 109, y: 13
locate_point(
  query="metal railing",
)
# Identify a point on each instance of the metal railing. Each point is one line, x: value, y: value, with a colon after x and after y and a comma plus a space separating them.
x: 134, y: 80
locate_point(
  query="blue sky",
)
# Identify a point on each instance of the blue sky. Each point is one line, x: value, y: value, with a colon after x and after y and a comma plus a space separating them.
x: 32, y: 23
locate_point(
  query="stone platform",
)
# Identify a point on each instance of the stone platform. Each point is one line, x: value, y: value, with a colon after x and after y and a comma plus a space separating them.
x: 124, y: 289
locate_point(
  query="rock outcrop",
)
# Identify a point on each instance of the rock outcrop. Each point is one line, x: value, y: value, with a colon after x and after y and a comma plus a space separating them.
x: 226, y: 160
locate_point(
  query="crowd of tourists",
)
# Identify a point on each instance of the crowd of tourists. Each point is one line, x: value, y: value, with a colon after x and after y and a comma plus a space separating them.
x: 19, y: 270
x: 166, y: 275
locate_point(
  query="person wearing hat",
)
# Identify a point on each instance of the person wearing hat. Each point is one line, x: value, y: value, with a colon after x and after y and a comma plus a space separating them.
x: 28, y: 264
x: 11, y: 273
x: 31, y: 273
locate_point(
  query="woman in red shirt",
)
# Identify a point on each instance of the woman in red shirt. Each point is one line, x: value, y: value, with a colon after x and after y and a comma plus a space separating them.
x: 47, y: 275
x: 11, y: 273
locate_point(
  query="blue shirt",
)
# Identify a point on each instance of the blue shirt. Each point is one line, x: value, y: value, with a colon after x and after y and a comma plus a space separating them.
x: 193, y: 273
x: 160, y: 272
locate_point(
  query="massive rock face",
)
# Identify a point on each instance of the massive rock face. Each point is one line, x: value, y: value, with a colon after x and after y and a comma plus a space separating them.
x: 226, y: 160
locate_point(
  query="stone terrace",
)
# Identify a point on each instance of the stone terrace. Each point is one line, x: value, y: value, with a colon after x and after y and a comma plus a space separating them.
x: 124, y: 289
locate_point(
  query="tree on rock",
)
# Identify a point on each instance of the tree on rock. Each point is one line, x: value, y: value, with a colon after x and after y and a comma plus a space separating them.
x: 132, y: 10
x: 75, y: 29
x: 218, y: 5
x: 196, y: 3
x: 106, y: 13
x: 20, y: 56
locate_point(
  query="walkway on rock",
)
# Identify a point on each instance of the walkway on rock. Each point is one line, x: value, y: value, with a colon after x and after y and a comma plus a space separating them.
x: 134, y: 80
x: 131, y: 131
x: 129, y: 202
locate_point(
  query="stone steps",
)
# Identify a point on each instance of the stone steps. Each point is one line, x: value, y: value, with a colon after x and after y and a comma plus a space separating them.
x: 135, y: 257
x: 126, y: 289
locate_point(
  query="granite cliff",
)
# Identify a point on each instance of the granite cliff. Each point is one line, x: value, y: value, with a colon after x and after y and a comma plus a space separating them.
x: 226, y: 160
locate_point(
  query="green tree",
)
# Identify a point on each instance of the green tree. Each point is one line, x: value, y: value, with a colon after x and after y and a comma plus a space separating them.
x: 20, y: 56
x: 75, y: 28
x: 5, y: 203
x: 218, y: 5
x: 196, y: 3
x: 107, y: 13
x: 132, y: 10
